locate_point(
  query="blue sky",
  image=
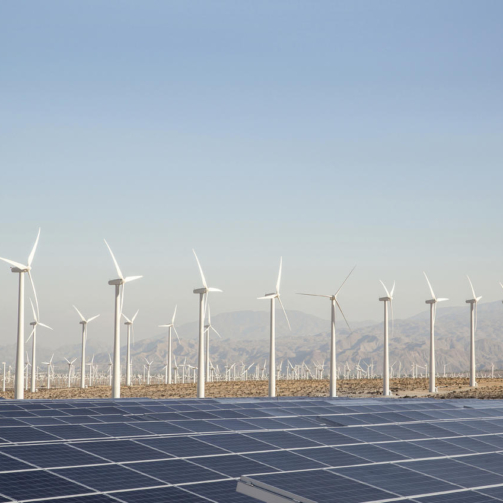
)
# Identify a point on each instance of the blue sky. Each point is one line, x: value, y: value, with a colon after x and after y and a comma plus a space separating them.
x: 331, y: 133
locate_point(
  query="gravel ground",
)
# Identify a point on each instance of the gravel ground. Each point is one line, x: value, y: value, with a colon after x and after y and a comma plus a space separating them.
x: 405, y: 387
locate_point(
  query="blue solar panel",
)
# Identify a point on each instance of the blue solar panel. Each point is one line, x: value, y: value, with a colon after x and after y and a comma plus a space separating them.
x: 159, y: 495
x: 121, y: 451
x: 108, y: 477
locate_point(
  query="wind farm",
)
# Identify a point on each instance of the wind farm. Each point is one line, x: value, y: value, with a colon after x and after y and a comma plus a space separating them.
x: 201, y: 368
x: 251, y: 252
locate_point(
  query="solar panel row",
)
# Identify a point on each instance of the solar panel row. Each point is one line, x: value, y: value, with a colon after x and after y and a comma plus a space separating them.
x: 191, y: 450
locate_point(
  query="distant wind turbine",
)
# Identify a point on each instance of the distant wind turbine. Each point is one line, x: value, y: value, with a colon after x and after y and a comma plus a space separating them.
x: 208, y: 328
x: 130, y: 326
x: 33, y: 334
x: 84, y: 323
x: 433, y: 314
x: 49, y: 367
x: 203, y: 292
x: 119, y: 300
x: 388, y: 298
x: 170, y: 350
x: 272, y: 343
x: 21, y: 269
x: 334, y: 302
x: 473, y: 327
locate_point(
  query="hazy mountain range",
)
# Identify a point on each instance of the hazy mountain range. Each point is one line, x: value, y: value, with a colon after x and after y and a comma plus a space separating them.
x: 245, y: 337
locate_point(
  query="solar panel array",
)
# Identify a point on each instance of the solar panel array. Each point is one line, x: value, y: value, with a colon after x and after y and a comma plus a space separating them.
x: 303, y: 449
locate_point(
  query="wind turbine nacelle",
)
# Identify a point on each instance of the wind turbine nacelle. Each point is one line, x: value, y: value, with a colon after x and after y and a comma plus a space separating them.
x: 385, y: 299
x: 200, y: 290
x: 431, y: 301
x: 116, y: 282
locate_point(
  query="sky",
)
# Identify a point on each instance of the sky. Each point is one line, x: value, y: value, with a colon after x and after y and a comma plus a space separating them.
x: 331, y: 133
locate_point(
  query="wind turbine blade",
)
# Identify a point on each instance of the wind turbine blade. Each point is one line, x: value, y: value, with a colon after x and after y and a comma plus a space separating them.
x: 164, y: 326
x: 478, y: 298
x: 269, y: 296
x: 174, y: 315
x: 340, y: 309
x: 119, y: 272
x: 210, y: 289
x: 283, y: 307
x: 442, y: 299
x: 393, y: 289
x: 45, y: 326
x: 50, y: 361
x: 200, y: 270
x: 135, y: 315
x: 34, y: 249
x: 15, y: 264
x: 34, y: 293
x: 80, y: 314
x: 471, y: 286
x: 278, y: 283
x: 347, y: 277
x: 177, y: 336
x: 126, y: 318
x: 501, y: 285
x: 214, y: 330
x: 429, y: 284
x: 209, y: 316
x: 315, y: 295
x: 385, y: 289
x: 32, y: 332
x: 33, y: 310
x: 131, y: 278
x: 67, y: 361
x: 93, y: 318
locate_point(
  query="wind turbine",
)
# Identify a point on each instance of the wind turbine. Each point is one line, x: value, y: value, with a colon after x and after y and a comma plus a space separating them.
x: 49, y: 366
x: 119, y: 300
x: 473, y: 326
x: 70, y: 365
x: 433, y: 314
x: 148, y: 370
x: 388, y: 298
x: 33, y: 334
x: 170, y: 326
x: 84, y: 323
x: 204, y: 291
x: 21, y: 269
x: 209, y: 327
x: 272, y: 348
x: 334, y: 302
x: 130, y: 325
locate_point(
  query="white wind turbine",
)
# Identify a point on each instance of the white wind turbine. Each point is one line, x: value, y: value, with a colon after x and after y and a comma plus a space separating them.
x: 149, y: 364
x: 91, y: 367
x: 49, y: 367
x: 70, y: 365
x: 209, y: 327
x: 33, y: 335
x: 170, y: 350
x: 84, y: 323
x: 473, y: 327
x: 21, y: 269
x: 130, y: 326
x: 385, y: 300
x: 433, y: 314
x: 203, y: 292
x: 272, y: 348
x: 334, y: 302
x: 119, y: 300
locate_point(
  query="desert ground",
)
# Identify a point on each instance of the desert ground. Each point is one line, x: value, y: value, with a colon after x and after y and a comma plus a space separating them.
x: 400, y: 388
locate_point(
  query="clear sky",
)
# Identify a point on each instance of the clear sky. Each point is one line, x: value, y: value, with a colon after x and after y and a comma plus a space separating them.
x: 332, y: 133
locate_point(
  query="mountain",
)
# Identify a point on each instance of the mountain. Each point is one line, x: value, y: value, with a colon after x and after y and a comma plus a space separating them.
x: 245, y: 337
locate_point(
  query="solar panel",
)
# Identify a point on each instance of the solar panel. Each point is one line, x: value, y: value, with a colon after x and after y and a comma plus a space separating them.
x: 121, y: 451
x: 108, y: 477
x: 183, y: 447
x: 159, y: 495
x: 37, y: 484
x: 52, y: 455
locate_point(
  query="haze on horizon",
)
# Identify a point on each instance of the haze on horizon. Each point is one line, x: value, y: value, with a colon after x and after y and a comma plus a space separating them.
x: 329, y: 133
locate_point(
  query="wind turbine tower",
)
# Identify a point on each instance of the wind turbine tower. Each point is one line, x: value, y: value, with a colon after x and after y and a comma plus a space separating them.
x: 433, y: 314
x: 203, y: 293
x: 119, y: 300
x: 272, y: 343
x: 385, y: 300
x: 21, y: 269
x: 473, y: 327
x: 333, y: 361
